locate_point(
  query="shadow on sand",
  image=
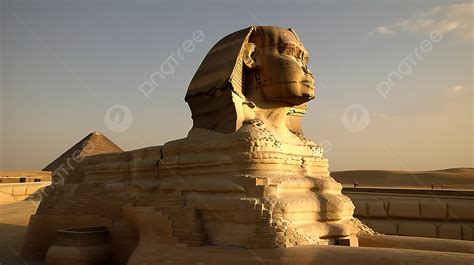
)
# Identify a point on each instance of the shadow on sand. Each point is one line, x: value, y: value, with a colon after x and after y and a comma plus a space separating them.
x: 11, y: 240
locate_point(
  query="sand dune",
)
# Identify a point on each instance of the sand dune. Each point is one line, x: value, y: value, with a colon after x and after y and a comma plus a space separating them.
x: 453, y: 178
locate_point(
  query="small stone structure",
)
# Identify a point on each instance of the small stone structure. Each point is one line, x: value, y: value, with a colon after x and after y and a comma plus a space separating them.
x: 12, y: 192
x: 24, y: 176
x: 413, y: 203
x: 436, y: 214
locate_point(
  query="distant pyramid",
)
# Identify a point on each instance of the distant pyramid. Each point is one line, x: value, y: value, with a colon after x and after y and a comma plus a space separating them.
x: 93, y: 144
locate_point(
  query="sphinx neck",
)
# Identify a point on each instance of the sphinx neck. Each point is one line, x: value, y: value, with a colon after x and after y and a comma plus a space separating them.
x: 272, y: 113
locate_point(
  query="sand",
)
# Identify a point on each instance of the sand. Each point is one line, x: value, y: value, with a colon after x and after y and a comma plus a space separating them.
x: 14, y: 219
x: 447, y: 179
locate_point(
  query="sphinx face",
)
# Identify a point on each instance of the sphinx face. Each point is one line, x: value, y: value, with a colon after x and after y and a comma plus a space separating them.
x: 280, y: 67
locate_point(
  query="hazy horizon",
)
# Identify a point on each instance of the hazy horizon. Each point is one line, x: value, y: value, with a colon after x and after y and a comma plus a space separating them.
x: 64, y: 65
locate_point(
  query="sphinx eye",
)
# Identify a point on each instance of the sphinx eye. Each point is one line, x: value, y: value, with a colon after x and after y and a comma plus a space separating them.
x: 305, y: 59
x: 303, y: 56
x: 289, y: 50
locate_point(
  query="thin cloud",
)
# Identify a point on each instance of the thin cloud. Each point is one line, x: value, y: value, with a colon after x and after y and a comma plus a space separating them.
x: 381, y: 31
x: 457, y: 88
x: 454, y: 19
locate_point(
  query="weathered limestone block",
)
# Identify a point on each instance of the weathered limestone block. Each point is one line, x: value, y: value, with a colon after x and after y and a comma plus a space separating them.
x: 467, y: 232
x: 461, y: 211
x: 124, y: 240
x: 407, y: 209
x: 350, y: 241
x: 361, y: 208
x: 153, y: 227
x: 413, y: 228
x: 450, y: 231
x: 376, y: 209
x: 433, y: 210
x: 385, y: 226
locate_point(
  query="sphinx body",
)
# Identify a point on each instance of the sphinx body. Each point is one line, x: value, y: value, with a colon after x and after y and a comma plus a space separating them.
x: 258, y: 148
x: 245, y: 176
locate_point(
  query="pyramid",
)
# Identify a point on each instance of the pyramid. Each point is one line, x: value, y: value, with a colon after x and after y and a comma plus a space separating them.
x: 98, y: 143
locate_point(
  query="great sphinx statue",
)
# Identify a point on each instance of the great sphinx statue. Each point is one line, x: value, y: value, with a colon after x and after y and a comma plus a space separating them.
x: 247, y: 99
x: 245, y: 176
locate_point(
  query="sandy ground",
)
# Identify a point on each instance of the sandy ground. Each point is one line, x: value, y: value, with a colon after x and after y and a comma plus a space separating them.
x: 14, y: 219
x: 446, y: 179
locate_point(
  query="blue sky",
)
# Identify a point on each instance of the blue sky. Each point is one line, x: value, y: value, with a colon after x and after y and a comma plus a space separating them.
x: 64, y: 64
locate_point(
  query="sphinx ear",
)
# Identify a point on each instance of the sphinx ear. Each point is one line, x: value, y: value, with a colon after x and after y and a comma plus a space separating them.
x: 248, y: 55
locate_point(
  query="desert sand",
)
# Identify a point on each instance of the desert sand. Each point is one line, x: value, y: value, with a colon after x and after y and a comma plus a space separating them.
x: 14, y: 219
x: 447, y: 179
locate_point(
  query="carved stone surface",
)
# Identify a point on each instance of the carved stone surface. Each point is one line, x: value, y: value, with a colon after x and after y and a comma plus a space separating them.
x: 247, y: 144
x: 243, y: 177
x: 255, y: 73
x: 88, y: 245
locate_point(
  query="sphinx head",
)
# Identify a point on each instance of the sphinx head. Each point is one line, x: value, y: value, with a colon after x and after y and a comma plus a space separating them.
x: 276, y: 63
x: 264, y: 66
